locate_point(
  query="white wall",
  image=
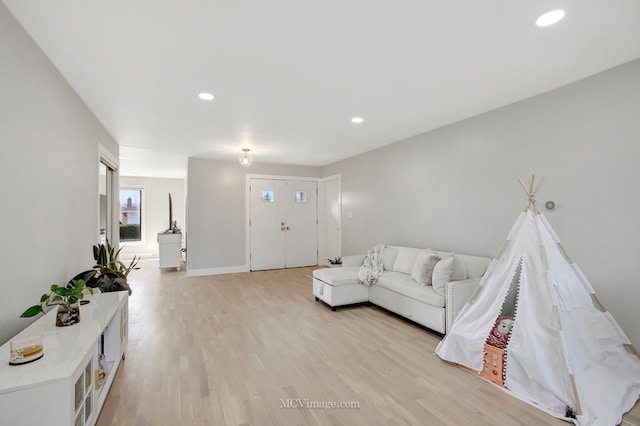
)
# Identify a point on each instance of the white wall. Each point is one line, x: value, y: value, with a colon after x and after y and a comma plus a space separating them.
x: 155, y: 211
x: 216, y: 211
x: 329, y: 215
x: 456, y: 188
x: 48, y: 176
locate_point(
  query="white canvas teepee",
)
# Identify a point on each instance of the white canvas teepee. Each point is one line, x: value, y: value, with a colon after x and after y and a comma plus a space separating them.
x: 565, y: 354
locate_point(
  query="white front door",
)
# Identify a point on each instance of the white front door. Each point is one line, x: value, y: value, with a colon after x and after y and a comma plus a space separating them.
x: 267, y: 224
x: 301, y: 224
x: 283, y: 224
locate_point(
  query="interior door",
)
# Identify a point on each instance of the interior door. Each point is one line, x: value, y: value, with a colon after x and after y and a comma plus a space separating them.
x: 301, y: 224
x: 267, y: 224
x: 283, y: 224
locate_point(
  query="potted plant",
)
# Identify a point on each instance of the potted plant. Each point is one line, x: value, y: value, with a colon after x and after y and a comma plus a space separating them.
x: 109, y: 273
x: 67, y: 298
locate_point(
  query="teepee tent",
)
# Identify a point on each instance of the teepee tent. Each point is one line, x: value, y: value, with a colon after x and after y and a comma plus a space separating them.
x: 564, y: 353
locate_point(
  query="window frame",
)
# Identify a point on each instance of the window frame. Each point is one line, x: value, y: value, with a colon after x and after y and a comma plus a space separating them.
x: 142, y: 209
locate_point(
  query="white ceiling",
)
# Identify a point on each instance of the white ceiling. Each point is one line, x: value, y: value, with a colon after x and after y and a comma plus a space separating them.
x: 289, y: 75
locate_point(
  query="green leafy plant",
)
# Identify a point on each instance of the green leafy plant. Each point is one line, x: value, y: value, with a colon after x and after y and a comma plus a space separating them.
x: 69, y: 295
x: 335, y: 261
x: 129, y: 232
x: 109, y: 273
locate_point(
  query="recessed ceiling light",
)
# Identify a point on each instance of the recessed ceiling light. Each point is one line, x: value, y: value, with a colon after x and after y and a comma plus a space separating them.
x: 357, y: 120
x: 550, y: 18
x: 205, y: 96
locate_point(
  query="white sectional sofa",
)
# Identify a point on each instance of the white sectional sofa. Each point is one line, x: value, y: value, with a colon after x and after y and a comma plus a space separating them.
x: 433, y: 303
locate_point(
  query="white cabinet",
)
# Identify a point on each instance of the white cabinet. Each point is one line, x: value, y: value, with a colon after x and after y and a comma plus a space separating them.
x: 63, y: 388
x: 170, y: 250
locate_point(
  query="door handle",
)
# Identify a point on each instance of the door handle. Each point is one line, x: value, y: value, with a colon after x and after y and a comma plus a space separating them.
x: 283, y: 227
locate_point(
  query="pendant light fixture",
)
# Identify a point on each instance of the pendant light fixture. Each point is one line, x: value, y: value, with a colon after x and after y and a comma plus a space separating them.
x: 245, y: 159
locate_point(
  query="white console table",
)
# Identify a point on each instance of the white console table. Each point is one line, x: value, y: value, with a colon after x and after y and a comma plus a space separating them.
x: 170, y: 250
x: 63, y: 387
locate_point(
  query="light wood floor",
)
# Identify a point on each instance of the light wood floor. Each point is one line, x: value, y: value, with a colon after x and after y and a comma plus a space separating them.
x: 228, y: 349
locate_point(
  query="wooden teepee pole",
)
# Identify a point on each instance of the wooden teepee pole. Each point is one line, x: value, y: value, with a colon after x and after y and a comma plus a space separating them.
x: 531, y: 192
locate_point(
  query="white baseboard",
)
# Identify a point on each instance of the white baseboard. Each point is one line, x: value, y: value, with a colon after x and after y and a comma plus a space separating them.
x: 144, y: 255
x: 217, y: 271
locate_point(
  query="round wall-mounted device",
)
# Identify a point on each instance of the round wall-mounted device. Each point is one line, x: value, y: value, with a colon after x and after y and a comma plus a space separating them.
x: 550, y: 205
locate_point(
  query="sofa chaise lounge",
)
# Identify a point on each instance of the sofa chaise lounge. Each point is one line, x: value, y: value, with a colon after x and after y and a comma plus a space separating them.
x: 426, y: 286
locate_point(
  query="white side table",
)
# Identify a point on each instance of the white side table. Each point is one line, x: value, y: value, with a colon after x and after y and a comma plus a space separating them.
x: 170, y: 250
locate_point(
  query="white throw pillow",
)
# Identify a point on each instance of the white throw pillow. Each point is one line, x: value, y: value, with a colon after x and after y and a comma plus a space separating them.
x: 459, y: 271
x: 442, y: 274
x: 423, y: 267
x: 389, y: 255
x: 405, y: 259
x: 450, y: 268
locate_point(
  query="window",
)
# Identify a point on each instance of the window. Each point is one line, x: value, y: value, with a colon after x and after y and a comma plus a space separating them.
x: 301, y: 196
x: 130, y: 214
x: 267, y: 196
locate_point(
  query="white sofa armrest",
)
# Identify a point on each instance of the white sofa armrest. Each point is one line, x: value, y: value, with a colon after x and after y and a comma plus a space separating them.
x: 356, y: 260
x: 457, y: 295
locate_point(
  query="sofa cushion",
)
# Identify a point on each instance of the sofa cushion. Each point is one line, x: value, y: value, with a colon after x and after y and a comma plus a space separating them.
x: 337, y: 276
x: 389, y: 256
x: 423, y: 267
x: 405, y: 259
x: 403, y: 284
x: 459, y: 271
x: 442, y: 274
